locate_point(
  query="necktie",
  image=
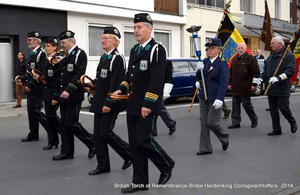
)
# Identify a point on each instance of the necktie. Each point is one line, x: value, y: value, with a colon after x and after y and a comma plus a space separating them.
x: 140, y: 49
x: 105, y: 57
x: 67, y: 55
x: 31, y: 53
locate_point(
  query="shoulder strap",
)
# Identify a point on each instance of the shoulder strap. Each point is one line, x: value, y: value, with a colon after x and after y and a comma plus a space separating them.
x: 39, y: 55
x: 77, y: 55
x: 113, y: 58
x: 155, y: 47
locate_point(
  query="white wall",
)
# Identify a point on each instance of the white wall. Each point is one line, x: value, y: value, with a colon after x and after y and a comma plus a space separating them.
x: 78, y: 23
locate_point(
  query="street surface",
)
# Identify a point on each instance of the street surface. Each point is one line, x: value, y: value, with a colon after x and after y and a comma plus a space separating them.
x: 254, y: 164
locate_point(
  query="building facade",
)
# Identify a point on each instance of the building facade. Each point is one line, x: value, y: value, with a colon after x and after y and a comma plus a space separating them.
x: 249, y: 15
x: 87, y: 18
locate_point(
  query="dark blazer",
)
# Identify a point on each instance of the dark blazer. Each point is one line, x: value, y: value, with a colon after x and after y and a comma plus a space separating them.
x: 21, y: 69
x: 108, y: 81
x: 281, y: 88
x: 241, y: 74
x: 144, y: 80
x: 70, y: 76
x: 260, y: 57
x: 36, y: 61
x: 52, y: 74
x: 169, y: 72
x: 219, y: 79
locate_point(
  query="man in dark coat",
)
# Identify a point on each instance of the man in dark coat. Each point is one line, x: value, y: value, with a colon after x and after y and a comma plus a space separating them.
x: 35, y: 89
x: 144, y: 82
x: 20, y: 71
x: 110, y: 73
x: 71, y: 97
x: 279, y: 93
x: 243, y: 78
x: 259, y: 55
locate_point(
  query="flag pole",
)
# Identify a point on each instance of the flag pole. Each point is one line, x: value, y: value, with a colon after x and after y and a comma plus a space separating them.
x: 286, y: 50
x: 225, y: 11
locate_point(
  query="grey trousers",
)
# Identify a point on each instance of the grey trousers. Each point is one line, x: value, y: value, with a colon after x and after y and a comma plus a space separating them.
x: 210, y: 120
x: 236, y: 109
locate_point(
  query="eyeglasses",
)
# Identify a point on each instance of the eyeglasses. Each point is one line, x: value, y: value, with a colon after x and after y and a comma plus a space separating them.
x: 212, y: 47
x: 64, y: 42
x: 29, y: 40
x: 105, y: 38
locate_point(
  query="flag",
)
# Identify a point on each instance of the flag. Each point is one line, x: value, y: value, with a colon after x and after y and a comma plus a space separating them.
x: 267, y: 30
x: 295, y: 48
x: 230, y: 38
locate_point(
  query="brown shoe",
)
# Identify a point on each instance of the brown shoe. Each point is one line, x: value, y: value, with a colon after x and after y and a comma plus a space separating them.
x: 227, y: 114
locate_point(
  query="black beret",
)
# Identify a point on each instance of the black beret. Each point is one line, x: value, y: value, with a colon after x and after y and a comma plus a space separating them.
x: 66, y: 34
x: 112, y: 30
x: 142, y: 17
x: 35, y: 34
x: 214, y: 42
x: 51, y: 40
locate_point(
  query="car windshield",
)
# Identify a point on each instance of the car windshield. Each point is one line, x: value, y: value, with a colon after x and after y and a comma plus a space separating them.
x: 181, y: 66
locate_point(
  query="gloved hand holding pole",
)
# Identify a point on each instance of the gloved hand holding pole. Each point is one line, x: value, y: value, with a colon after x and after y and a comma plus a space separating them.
x: 194, y: 29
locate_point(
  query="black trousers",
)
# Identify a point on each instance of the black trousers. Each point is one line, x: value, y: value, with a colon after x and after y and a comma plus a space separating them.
x: 35, y: 116
x: 143, y: 146
x: 283, y: 104
x: 104, y: 135
x: 236, y: 109
x: 69, y: 126
x: 53, y: 122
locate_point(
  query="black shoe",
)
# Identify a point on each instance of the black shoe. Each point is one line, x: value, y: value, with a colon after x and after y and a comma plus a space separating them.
x: 62, y: 157
x: 17, y: 106
x: 225, y: 146
x: 92, y: 152
x: 254, y: 124
x: 234, y: 126
x: 98, y: 170
x: 294, y: 128
x: 227, y: 114
x: 154, y: 134
x: 132, y: 189
x: 165, y: 176
x: 275, y: 133
x: 50, y: 146
x: 203, y: 153
x: 27, y: 139
x: 268, y: 109
x: 126, y: 164
x: 172, y: 128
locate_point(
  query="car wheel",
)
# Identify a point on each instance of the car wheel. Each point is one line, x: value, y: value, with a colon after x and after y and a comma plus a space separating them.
x: 257, y: 91
x: 293, y: 88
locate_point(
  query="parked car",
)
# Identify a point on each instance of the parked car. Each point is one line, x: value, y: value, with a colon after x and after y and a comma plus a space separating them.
x: 184, y: 77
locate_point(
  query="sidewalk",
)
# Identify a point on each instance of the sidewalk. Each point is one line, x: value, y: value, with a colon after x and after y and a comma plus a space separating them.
x: 7, y: 110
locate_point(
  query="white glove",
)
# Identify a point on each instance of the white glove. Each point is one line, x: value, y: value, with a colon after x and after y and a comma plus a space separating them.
x: 273, y: 80
x: 167, y: 90
x: 197, y: 84
x: 200, y: 65
x: 256, y: 81
x: 218, y: 104
x: 259, y: 81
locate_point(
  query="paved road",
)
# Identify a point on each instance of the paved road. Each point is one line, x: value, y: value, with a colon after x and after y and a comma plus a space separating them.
x: 254, y: 163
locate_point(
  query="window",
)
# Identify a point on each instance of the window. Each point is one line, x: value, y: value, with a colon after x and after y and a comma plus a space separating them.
x: 95, y: 44
x: 291, y: 19
x: 163, y: 37
x: 193, y: 49
x: 211, y: 3
x: 182, y: 66
x: 246, y: 5
x: 129, y: 42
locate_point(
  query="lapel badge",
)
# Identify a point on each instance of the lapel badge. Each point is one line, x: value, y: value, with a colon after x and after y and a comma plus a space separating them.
x: 109, y: 56
x: 73, y: 52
